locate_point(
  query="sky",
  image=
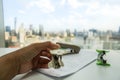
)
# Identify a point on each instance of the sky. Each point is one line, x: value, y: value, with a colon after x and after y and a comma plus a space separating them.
x: 56, y: 15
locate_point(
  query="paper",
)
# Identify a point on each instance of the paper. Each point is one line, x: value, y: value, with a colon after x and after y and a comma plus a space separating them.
x: 72, y: 63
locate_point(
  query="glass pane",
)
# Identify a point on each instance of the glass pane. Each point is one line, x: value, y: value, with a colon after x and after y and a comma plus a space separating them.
x: 90, y: 24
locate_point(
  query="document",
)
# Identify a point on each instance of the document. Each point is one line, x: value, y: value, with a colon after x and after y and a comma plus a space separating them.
x: 72, y: 63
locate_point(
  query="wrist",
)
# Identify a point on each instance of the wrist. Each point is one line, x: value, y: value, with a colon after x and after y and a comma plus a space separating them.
x: 9, y: 66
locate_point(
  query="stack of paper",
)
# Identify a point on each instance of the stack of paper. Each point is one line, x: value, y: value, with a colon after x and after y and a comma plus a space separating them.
x: 72, y: 63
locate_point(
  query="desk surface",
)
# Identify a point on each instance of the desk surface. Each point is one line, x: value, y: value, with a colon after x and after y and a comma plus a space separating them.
x: 90, y: 72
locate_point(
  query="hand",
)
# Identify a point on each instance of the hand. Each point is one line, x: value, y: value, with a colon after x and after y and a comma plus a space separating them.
x: 32, y: 57
x: 26, y: 59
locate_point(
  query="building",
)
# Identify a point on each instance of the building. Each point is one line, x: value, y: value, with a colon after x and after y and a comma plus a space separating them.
x: 8, y: 29
x: 119, y: 30
x: 22, y: 34
x: 41, y: 31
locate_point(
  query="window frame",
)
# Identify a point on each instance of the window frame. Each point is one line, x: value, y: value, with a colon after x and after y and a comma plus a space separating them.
x: 2, y: 30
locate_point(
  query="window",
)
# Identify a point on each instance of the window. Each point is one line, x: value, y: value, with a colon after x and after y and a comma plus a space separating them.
x: 88, y: 24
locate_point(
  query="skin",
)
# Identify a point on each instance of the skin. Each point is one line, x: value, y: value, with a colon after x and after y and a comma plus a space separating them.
x: 26, y: 59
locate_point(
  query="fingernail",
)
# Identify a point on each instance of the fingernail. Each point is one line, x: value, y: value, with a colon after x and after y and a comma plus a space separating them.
x: 45, y: 57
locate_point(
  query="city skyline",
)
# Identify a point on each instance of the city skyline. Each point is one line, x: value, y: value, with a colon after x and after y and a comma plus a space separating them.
x: 57, y: 15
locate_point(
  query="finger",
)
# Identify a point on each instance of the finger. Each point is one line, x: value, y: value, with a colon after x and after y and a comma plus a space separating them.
x: 43, y: 61
x: 35, y: 62
x: 42, y: 66
x: 49, y: 45
x: 46, y: 54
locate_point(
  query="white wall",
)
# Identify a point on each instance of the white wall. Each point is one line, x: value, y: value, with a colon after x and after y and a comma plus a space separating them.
x: 2, y: 34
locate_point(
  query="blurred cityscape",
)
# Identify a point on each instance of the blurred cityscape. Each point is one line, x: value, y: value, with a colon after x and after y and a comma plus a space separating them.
x: 91, y: 39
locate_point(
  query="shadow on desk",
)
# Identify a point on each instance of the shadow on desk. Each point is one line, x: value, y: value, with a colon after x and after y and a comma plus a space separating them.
x: 35, y: 75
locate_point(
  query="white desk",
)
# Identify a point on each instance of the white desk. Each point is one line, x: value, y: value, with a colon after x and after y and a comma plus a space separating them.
x: 90, y: 72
